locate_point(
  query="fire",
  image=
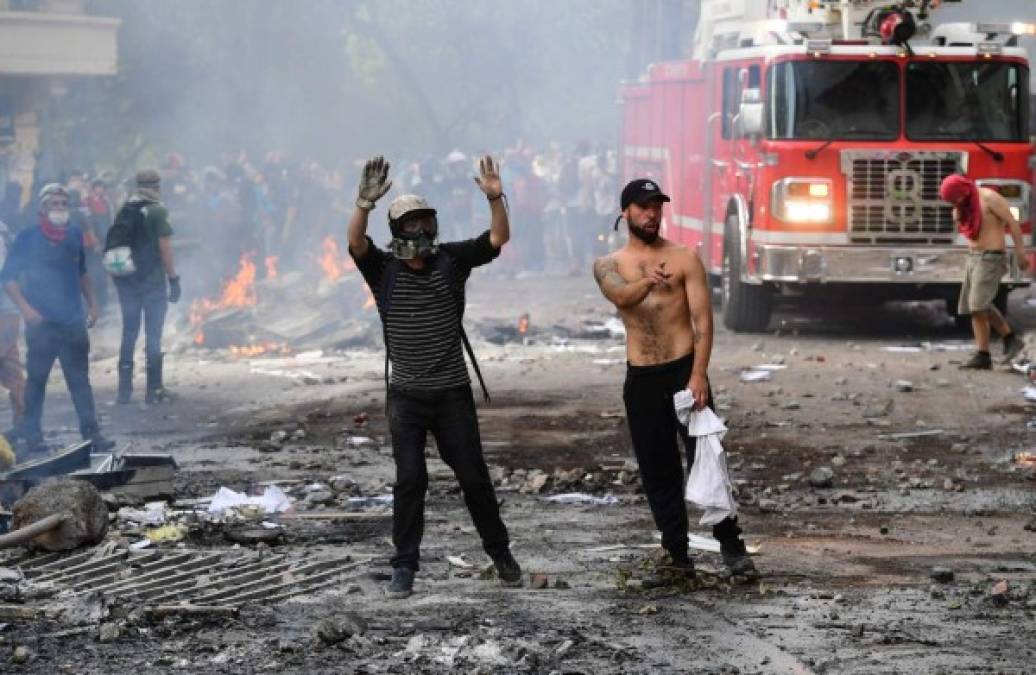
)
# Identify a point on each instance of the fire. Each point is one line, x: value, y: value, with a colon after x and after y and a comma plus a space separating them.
x: 334, y: 263
x: 523, y: 324
x: 271, y: 267
x: 237, y: 292
x: 250, y: 351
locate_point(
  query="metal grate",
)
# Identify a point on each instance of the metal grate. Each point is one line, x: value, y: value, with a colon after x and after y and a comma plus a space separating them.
x: 176, y: 577
x: 894, y: 197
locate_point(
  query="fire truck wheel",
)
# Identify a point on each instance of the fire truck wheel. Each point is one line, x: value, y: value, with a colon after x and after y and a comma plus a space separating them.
x: 746, y: 307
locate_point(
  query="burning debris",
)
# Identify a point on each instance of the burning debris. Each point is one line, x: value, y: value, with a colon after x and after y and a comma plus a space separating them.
x: 280, y: 314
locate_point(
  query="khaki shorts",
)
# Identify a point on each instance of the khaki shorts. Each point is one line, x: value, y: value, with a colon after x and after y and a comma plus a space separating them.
x: 983, y: 271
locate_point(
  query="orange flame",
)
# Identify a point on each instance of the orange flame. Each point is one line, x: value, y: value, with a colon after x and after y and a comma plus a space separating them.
x: 523, y: 324
x: 330, y: 259
x: 271, y: 267
x: 237, y: 292
x: 249, y: 351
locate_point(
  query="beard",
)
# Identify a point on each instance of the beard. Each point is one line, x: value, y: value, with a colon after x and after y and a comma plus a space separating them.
x: 643, y: 235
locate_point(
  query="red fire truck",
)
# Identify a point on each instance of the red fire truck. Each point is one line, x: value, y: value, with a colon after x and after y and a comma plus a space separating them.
x: 804, y: 142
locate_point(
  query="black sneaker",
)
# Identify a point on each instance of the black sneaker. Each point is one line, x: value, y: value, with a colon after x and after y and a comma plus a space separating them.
x: 672, y: 573
x: 736, y: 558
x: 1013, y: 346
x: 402, y: 585
x: 978, y: 361
x: 507, y: 569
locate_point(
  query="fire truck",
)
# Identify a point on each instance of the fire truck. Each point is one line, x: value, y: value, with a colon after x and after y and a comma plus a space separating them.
x: 803, y: 144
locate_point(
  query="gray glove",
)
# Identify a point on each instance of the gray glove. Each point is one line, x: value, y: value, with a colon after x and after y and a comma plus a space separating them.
x: 374, y: 182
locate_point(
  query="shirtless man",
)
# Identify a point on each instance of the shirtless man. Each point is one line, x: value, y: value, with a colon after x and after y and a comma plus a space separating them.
x: 983, y: 216
x: 663, y: 298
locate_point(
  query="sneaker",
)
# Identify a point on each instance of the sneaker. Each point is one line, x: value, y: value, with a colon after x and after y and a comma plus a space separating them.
x: 156, y: 396
x: 1013, y: 346
x: 671, y: 574
x: 402, y: 585
x: 978, y: 361
x: 736, y: 558
x: 507, y: 569
x: 100, y: 443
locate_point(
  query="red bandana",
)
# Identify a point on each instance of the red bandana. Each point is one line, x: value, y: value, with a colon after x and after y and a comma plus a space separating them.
x: 51, y: 231
x: 963, y: 193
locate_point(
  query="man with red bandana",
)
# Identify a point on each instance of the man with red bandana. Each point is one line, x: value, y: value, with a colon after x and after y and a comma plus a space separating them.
x: 45, y: 276
x: 984, y: 218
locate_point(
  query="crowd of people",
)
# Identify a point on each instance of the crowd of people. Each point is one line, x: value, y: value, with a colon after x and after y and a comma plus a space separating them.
x: 562, y: 200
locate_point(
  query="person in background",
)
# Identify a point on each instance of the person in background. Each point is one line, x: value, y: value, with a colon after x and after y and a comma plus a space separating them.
x: 45, y: 275
x: 12, y: 375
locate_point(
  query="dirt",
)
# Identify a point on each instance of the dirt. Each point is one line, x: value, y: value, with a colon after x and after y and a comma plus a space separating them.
x: 845, y: 584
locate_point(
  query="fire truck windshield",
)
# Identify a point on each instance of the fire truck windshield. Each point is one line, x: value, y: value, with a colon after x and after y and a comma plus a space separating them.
x: 974, y: 101
x: 829, y: 100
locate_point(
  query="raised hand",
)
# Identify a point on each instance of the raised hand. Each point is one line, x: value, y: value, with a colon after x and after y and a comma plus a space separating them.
x: 374, y: 182
x: 489, y: 177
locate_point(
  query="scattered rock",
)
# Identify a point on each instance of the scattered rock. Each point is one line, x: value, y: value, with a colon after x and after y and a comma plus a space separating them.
x: 278, y: 437
x: 1031, y: 525
x: 822, y: 477
x: 648, y: 609
x: 998, y: 594
x: 318, y: 498
x: 108, y: 632
x: 880, y: 410
x: 333, y: 630
x: 87, y: 514
x: 538, y: 581
x: 561, y: 585
x: 838, y: 461
x: 904, y: 385
x: 535, y: 483
x: 342, y: 483
x: 21, y: 654
x: 942, y: 575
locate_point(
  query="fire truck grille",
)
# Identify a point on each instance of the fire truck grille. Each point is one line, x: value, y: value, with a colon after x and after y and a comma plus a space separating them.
x: 894, y: 197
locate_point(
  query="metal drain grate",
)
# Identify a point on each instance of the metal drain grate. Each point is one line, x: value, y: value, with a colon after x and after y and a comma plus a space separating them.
x: 194, y: 577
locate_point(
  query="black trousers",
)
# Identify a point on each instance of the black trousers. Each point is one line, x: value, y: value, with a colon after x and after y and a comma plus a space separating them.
x: 450, y: 417
x: 648, y: 394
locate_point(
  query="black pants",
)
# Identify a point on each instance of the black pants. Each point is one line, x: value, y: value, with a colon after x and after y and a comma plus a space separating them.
x: 136, y: 300
x: 648, y: 394
x: 450, y: 417
x: 70, y: 345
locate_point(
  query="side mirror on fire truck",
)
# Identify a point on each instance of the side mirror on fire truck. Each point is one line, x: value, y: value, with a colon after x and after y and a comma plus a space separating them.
x: 749, y: 121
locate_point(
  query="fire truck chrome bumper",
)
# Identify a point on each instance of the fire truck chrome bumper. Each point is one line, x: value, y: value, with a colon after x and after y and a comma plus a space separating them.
x: 837, y: 264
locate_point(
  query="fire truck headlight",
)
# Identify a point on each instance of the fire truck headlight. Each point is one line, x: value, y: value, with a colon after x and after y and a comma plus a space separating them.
x: 1016, y: 212
x: 806, y: 212
x: 802, y: 200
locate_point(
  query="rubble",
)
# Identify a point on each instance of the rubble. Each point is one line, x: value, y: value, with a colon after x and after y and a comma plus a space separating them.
x: 822, y: 477
x: 943, y: 575
x: 83, y: 513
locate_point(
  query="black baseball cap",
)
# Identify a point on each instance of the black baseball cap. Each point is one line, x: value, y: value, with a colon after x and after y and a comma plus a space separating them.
x: 641, y: 191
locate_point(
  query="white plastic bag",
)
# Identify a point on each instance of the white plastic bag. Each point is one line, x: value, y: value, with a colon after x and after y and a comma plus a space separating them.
x: 708, y: 486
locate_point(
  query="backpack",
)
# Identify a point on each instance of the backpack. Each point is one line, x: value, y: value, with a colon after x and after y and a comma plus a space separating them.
x: 122, y: 240
x: 444, y: 264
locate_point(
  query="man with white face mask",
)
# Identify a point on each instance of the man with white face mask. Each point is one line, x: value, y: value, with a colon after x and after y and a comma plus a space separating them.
x: 45, y: 275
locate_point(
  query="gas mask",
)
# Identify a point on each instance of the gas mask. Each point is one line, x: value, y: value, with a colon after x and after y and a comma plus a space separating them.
x: 415, y: 235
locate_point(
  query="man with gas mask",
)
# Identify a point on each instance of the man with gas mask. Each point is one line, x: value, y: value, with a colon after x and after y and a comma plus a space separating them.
x: 419, y: 286
x: 45, y: 275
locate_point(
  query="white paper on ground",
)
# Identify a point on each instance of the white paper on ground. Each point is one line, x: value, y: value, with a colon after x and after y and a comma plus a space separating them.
x: 273, y: 500
x: 755, y: 375
x: 583, y: 498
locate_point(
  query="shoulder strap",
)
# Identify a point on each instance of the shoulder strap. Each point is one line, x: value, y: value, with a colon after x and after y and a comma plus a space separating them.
x: 384, y: 299
x: 444, y: 263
